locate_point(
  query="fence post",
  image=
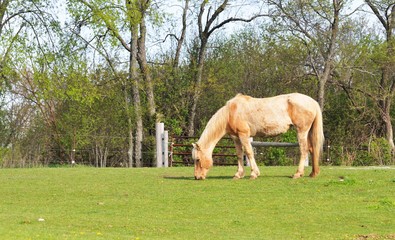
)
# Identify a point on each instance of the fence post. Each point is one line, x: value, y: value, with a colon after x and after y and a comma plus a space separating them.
x: 171, y: 153
x: 165, y: 149
x: 162, y: 143
x: 159, y: 127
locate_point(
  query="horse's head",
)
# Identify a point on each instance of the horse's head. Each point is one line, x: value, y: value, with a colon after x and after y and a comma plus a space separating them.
x: 203, y: 162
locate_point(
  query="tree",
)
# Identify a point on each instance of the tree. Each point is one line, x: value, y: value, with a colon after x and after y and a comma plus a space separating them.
x: 316, y: 23
x: 385, y: 12
x: 28, y: 30
x: 22, y: 21
x: 205, y: 30
x: 171, y: 76
x: 374, y: 64
x: 134, y: 13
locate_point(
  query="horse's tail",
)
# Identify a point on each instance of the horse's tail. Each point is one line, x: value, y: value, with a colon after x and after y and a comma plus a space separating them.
x: 316, y: 137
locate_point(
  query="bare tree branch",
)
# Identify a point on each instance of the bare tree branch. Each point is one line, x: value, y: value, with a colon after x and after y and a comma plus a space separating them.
x: 103, y: 54
x: 218, y: 11
x: 237, y: 20
x: 180, y: 41
x: 377, y: 13
x: 171, y: 35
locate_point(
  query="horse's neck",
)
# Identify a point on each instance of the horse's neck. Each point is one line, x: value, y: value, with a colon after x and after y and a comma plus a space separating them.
x: 214, y: 131
x: 209, y: 143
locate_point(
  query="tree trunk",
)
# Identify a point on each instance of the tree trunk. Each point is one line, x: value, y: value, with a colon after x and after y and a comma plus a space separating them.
x: 328, y: 65
x: 391, y: 78
x: 180, y: 40
x: 322, y: 80
x: 197, y: 91
x: 105, y: 156
x: 142, y: 60
x: 385, y: 104
x: 134, y: 79
x: 96, y: 151
x: 386, y: 117
x: 130, y: 125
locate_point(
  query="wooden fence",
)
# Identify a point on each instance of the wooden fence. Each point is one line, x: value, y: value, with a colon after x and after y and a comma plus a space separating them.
x: 180, y: 148
x: 178, y: 151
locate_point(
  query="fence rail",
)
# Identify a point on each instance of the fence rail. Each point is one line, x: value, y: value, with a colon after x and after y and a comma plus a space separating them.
x: 274, y: 144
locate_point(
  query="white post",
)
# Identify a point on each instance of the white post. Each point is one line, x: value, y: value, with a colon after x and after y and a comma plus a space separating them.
x: 165, y: 148
x: 159, y: 127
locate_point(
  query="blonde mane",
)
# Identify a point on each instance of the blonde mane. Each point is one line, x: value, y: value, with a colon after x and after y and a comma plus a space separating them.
x: 215, y: 128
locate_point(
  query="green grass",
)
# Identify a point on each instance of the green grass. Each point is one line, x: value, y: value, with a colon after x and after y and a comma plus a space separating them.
x: 90, y: 203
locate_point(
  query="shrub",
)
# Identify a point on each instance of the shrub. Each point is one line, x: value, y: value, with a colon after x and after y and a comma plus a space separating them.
x: 380, y: 151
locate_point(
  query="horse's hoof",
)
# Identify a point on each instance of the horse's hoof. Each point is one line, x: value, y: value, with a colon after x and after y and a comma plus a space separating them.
x: 313, y: 175
x: 297, y: 175
x: 238, y: 176
x: 253, y: 177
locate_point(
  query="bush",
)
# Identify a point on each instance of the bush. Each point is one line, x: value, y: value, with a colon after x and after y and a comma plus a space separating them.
x: 3, y: 154
x: 277, y: 157
x: 363, y: 159
x: 376, y: 151
x: 380, y: 151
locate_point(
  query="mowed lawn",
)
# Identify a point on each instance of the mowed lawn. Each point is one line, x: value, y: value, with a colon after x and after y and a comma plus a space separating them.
x: 91, y: 203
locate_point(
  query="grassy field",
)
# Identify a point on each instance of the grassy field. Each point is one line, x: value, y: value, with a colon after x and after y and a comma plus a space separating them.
x: 90, y: 203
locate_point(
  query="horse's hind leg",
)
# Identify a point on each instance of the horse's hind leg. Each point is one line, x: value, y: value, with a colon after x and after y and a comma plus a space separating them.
x: 304, y: 151
x: 239, y: 151
x: 315, y: 158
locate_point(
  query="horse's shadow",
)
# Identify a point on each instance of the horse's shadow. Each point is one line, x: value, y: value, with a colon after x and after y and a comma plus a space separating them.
x: 191, y: 178
x: 178, y: 178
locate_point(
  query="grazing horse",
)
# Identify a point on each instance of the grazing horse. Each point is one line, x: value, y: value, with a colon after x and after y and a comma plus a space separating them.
x: 243, y: 117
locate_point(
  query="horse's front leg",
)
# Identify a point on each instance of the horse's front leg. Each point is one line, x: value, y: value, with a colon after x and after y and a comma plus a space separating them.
x: 245, y: 142
x: 239, y: 152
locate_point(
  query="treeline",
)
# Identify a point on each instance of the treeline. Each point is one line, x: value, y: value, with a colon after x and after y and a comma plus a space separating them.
x: 85, y: 81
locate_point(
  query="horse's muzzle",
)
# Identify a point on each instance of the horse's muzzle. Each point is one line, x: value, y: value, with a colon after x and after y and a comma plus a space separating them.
x: 199, y: 178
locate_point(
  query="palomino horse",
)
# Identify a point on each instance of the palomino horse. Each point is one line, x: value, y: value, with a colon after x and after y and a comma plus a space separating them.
x: 244, y: 116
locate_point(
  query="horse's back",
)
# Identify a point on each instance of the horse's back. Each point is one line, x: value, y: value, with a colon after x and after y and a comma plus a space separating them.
x: 269, y: 116
x: 279, y: 102
x: 302, y: 100
x: 260, y: 116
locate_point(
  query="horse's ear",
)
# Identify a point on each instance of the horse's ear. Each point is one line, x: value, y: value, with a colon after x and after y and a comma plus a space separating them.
x: 196, y: 146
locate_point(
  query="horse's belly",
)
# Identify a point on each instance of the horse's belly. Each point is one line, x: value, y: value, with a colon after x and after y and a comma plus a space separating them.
x: 271, y: 129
